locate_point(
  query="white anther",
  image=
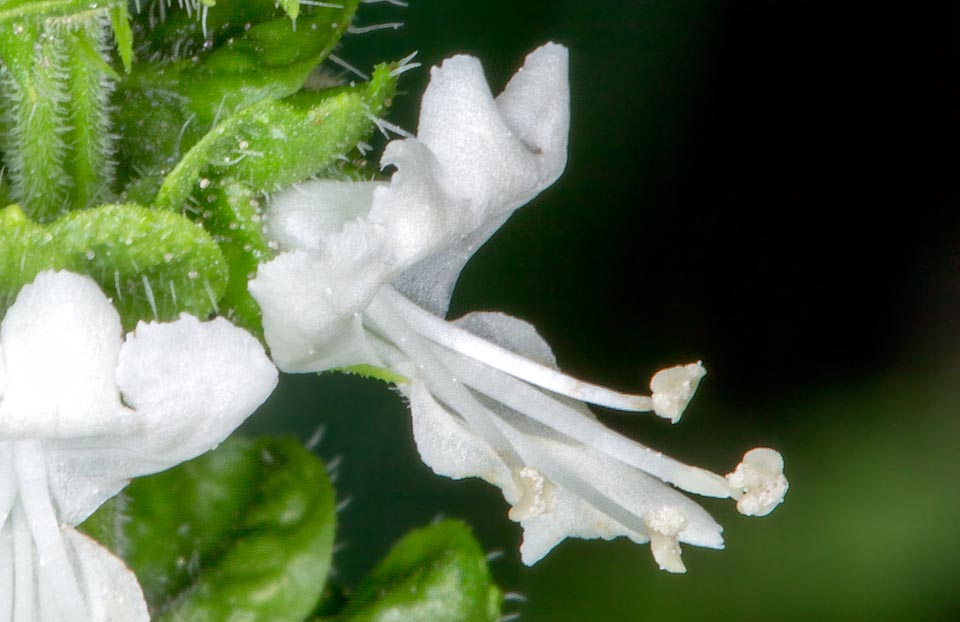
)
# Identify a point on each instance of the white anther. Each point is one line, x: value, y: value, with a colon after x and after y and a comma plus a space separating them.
x: 537, y: 495
x: 760, y: 480
x: 673, y: 389
x: 663, y: 527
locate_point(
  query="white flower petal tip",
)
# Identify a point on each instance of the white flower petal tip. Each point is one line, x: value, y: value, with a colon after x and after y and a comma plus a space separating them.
x: 673, y: 388
x: 759, y: 481
x: 664, y: 526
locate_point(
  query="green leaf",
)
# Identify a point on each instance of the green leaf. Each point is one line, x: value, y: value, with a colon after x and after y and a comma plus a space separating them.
x: 435, y: 574
x: 153, y: 264
x: 273, y: 144
x: 244, y: 532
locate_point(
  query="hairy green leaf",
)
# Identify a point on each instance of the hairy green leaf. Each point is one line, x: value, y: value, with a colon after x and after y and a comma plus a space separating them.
x: 435, y: 574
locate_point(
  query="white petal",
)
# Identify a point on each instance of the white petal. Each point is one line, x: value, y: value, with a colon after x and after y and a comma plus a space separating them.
x: 189, y: 383
x: 495, y: 154
x: 112, y: 591
x: 430, y: 282
x: 512, y: 333
x: 451, y: 449
x: 60, y: 341
x: 311, y: 308
x: 475, y: 140
x: 536, y: 106
x: 192, y: 383
x: 307, y: 215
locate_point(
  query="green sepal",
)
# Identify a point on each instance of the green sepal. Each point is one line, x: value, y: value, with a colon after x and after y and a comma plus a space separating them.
x: 271, y: 60
x: 244, y: 532
x: 375, y: 373
x: 435, y: 574
x: 230, y: 211
x: 122, y: 34
x: 12, y: 11
x: 275, y: 143
x: 176, y: 102
x: 154, y: 265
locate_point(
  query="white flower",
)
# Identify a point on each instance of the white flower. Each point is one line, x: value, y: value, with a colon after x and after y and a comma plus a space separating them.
x: 365, y: 277
x: 83, y: 410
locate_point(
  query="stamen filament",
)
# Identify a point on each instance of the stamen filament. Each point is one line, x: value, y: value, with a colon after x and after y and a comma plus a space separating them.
x: 6, y: 571
x: 23, y: 566
x: 443, y: 384
x: 56, y: 567
x: 558, y: 416
x: 450, y: 336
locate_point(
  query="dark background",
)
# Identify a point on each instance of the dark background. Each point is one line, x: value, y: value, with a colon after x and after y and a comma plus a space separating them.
x: 768, y: 186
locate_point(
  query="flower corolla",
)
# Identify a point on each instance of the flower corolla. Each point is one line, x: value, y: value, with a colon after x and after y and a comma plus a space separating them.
x: 83, y: 410
x: 365, y: 275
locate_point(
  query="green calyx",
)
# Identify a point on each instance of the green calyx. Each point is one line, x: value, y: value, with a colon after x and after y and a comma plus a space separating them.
x: 154, y: 265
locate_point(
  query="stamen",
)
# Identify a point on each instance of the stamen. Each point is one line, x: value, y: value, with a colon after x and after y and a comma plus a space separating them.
x: 23, y: 566
x: 759, y: 482
x: 6, y: 571
x: 560, y: 417
x: 449, y: 336
x: 663, y: 528
x: 570, y: 482
x: 538, y: 495
x: 55, y: 565
x: 442, y: 383
x: 673, y: 389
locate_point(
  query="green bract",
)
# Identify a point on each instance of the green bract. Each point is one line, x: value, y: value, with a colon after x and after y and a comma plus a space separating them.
x: 153, y: 264
x: 250, y: 54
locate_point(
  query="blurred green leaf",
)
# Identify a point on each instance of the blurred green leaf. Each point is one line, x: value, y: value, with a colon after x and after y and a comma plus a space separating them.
x: 244, y: 532
x: 435, y: 574
x: 153, y: 264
